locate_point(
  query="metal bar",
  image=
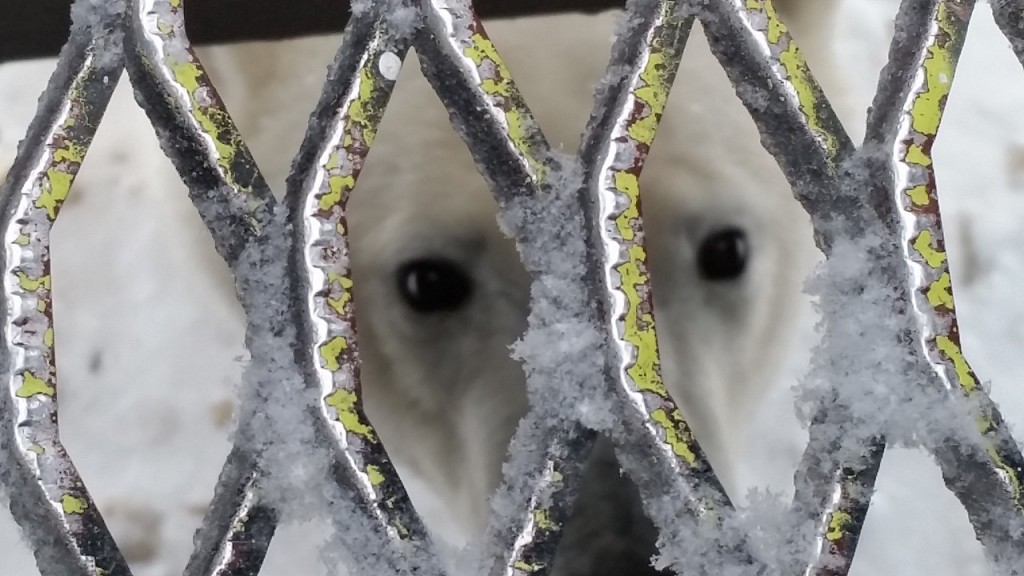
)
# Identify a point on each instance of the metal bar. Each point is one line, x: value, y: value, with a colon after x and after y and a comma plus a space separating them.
x: 236, y: 205
x: 39, y: 28
x: 800, y: 129
x: 195, y: 129
x: 238, y: 527
x: 326, y: 171
x: 805, y: 136
x: 488, y: 111
x: 48, y: 498
x: 835, y: 494
x: 530, y: 545
x: 1009, y: 16
x: 300, y: 249
x: 622, y: 130
x: 309, y: 262
x: 987, y: 478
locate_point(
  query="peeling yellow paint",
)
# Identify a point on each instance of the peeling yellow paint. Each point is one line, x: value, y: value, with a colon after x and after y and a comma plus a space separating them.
x: 32, y: 385
x: 344, y: 402
x: 375, y: 475
x: 939, y: 65
x: 363, y: 110
x: 543, y: 520
x: 963, y: 370
x: 919, y: 195
x: 916, y: 155
x: 213, y: 121
x: 55, y: 190
x: 836, y: 524
x: 676, y: 434
x: 30, y: 284
x: 345, y: 287
x: 482, y: 49
x: 331, y: 352
x: 940, y: 292
x: 73, y: 505
x: 654, y: 94
x: 527, y: 567
x: 923, y: 245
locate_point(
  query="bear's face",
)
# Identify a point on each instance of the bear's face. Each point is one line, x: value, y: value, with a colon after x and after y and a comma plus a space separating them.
x: 441, y: 294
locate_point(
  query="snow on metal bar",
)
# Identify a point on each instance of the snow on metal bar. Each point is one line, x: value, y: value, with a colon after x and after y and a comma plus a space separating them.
x: 1009, y: 16
x: 622, y: 130
x: 48, y: 498
x: 989, y: 481
x: 529, y: 547
x: 801, y: 130
x: 306, y: 258
x: 332, y: 155
x: 806, y: 138
x: 234, y: 539
x: 474, y: 84
x: 616, y: 277
x: 194, y: 127
x: 240, y: 212
x: 837, y: 495
x: 199, y: 137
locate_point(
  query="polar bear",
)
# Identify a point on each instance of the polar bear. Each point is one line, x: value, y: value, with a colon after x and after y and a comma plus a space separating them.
x: 440, y: 293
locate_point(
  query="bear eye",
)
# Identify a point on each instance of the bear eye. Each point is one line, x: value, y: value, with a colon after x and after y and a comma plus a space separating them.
x: 723, y: 255
x: 434, y: 285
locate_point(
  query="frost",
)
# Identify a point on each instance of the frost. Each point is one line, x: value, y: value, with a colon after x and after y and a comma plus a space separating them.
x: 102, y: 20
x: 403, y: 20
x: 563, y: 347
x: 277, y: 414
x: 870, y: 363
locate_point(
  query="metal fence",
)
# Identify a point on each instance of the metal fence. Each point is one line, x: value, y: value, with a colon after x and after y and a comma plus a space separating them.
x: 291, y: 265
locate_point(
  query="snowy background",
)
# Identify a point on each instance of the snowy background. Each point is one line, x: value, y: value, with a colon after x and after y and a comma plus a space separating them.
x: 150, y: 339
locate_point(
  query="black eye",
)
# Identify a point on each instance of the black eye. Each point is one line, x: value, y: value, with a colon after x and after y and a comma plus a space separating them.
x: 723, y: 255
x: 434, y: 285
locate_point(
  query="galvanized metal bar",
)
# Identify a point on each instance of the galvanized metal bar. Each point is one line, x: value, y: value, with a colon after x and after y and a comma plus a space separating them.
x: 326, y: 171
x: 48, y: 498
x: 988, y: 478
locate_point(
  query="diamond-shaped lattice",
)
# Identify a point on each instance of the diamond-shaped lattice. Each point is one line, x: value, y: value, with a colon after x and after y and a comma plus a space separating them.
x: 291, y: 263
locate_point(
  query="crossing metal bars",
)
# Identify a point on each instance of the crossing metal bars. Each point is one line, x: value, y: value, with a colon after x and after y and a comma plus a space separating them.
x: 302, y: 337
